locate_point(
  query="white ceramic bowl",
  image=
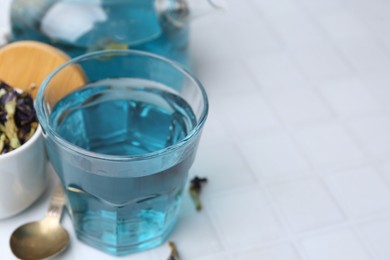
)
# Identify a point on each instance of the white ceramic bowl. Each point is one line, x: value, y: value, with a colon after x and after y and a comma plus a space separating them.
x: 23, y: 175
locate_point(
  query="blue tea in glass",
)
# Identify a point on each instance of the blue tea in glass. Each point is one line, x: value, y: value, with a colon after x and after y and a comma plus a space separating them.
x: 122, y: 144
x: 81, y: 26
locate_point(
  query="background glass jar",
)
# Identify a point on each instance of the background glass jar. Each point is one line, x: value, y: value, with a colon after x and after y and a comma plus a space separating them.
x: 80, y: 26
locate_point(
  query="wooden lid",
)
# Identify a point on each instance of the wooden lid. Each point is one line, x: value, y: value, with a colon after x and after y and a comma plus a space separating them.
x: 25, y: 64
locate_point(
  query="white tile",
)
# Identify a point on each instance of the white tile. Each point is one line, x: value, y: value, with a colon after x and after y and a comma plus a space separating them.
x: 214, y: 131
x: 377, y: 21
x: 162, y: 251
x: 343, y: 26
x: 195, y: 236
x: 281, y: 252
x: 320, y: 61
x: 244, y: 218
x: 306, y: 204
x: 298, y: 105
x: 221, y: 78
x: 276, y: 70
x: 322, y: 6
x: 261, y: 40
x: 364, y: 54
x: 338, y: 245
x: 329, y: 145
x: 368, y: 10
x: 384, y: 39
x: 277, y: 8
x: 361, y: 191
x: 373, y: 133
x: 251, y: 36
x: 349, y: 97
x: 274, y: 157
x: 208, y: 43
x: 378, y: 235
x: 378, y: 84
x: 220, y: 256
x: 384, y: 169
x: 354, y: 40
x: 246, y: 113
x: 246, y: 30
x: 238, y: 10
x: 223, y: 165
x: 298, y: 30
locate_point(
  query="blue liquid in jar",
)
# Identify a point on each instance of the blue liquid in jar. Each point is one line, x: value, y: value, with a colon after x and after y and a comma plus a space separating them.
x: 123, y: 214
x: 81, y: 26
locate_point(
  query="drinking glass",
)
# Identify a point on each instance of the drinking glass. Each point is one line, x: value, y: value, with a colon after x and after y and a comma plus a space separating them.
x: 122, y: 140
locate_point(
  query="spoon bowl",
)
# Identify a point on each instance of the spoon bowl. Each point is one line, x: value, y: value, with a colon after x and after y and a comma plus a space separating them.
x: 38, y: 240
x: 45, y: 238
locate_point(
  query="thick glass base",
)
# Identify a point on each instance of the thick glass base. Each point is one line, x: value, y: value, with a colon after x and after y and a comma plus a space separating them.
x: 123, y: 249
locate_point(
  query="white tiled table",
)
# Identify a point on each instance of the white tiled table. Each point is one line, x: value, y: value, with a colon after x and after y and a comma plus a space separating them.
x: 297, y: 145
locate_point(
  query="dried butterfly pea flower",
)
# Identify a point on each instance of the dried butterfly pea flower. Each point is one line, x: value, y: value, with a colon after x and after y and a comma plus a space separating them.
x: 18, y: 120
x: 25, y: 112
x: 195, y: 189
x: 6, y: 93
x: 8, y: 104
x: 25, y: 117
x: 6, y: 149
x: 174, y: 252
x: 3, y: 116
x: 26, y: 132
x: 3, y: 140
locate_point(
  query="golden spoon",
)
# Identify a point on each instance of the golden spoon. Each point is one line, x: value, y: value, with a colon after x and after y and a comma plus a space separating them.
x: 45, y: 238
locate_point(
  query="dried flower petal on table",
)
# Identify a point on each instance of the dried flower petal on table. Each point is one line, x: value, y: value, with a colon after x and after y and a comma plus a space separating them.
x: 174, y: 252
x: 18, y: 120
x: 195, y: 189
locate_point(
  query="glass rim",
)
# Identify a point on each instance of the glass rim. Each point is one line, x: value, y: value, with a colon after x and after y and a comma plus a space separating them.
x: 43, y: 117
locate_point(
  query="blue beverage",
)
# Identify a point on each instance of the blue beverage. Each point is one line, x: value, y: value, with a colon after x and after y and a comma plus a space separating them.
x: 123, y: 117
x: 122, y: 144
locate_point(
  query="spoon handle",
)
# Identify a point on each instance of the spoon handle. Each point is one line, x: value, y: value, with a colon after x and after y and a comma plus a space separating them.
x: 57, y: 203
